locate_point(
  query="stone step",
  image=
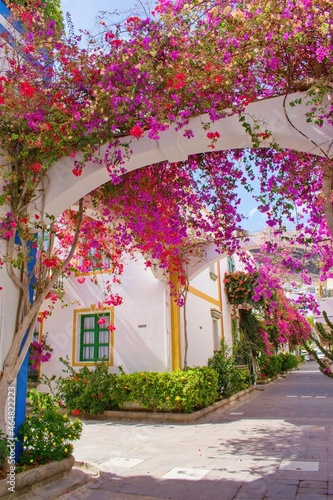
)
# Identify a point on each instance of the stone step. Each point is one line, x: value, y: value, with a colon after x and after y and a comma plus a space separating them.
x: 57, y: 487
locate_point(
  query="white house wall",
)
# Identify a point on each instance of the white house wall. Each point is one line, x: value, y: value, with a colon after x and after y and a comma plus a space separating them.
x: 142, y: 339
x: 203, y: 296
x: 142, y: 335
x: 206, y: 284
x: 200, y: 331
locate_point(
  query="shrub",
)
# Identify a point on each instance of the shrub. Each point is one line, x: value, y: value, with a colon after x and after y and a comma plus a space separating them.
x: 289, y: 361
x: 97, y: 390
x: 270, y: 366
x: 86, y: 390
x: 230, y: 378
x: 182, y: 391
x: 47, y: 433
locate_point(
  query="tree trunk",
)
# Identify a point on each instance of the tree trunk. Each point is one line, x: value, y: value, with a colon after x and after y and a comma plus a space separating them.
x: 27, y: 313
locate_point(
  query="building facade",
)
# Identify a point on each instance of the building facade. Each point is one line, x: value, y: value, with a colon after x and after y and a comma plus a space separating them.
x: 150, y: 330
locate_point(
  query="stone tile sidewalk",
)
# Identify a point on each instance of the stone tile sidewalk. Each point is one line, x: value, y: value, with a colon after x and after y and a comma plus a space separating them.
x: 278, y: 444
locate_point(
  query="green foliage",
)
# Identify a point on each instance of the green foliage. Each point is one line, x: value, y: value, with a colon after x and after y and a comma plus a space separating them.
x: 230, y: 378
x: 239, y: 287
x: 289, y: 361
x: 322, y: 361
x: 325, y: 333
x: 182, y: 391
x: 47, y: 433
x: 94, y: 391
x: 86, y: 390
x: 314, y: 345
x: 52, y: 9
x: 250, y: 326
x: 271, y: 366
x: 4, y: 449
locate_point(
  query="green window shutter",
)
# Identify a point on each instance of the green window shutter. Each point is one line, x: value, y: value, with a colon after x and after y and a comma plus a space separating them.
x: 94, y: 337
x: 231, y: 265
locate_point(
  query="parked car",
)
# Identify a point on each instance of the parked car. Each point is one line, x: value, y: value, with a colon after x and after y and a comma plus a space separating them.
x: 305, y: 355
x: 320, y: 354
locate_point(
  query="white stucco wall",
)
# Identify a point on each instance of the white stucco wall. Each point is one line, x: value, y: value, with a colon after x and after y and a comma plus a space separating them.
x: 203, y: 296
x: 136, y: 347
x: 142, y: 339
x: 200, y: 331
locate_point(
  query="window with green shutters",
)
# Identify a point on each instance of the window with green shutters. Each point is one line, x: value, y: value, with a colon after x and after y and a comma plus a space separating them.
x: 231, y: 265
x: 95, y: 337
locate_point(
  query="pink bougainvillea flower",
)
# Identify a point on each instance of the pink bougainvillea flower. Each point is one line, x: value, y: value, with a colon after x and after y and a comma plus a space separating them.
x: 213, y: 135
x: 136, y: 131
x: 36, y: 167
x: 26, y: 89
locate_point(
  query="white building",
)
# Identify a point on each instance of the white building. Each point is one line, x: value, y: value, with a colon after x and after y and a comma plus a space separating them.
x: 149, y: 326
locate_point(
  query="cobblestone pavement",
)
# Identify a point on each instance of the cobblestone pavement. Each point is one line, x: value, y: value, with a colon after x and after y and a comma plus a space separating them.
x: 277, y: 444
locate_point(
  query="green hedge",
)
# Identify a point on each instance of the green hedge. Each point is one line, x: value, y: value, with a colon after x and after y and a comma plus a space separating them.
x: 183, y: 391
x: 94, y: 391
x: 271, y: 366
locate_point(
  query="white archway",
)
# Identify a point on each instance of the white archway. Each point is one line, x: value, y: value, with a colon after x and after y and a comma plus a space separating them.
x: 65, y: 189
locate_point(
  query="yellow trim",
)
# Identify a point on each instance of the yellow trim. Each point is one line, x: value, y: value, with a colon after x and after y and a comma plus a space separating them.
x: 204, y: 296
x: 220, y: 282
x: 92, y: 309
x: 175, y: 328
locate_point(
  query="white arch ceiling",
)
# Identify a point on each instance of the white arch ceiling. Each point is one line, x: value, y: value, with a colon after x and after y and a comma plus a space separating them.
x: 291, y: 133
x: 65, y: 189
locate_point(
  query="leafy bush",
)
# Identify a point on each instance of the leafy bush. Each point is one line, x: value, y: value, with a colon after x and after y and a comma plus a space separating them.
x: 289, y: 361
x: 93, y: 391
x: 271, y: 366
x: 182, y: 391
x: 47, y: 433
x: 230, y: 378
x: 86, y: 390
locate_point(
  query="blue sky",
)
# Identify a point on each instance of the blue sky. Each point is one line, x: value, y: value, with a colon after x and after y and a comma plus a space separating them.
x: 83, y: 14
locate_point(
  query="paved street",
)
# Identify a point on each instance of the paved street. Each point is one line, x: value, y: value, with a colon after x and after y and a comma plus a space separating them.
x: 278, y: 444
